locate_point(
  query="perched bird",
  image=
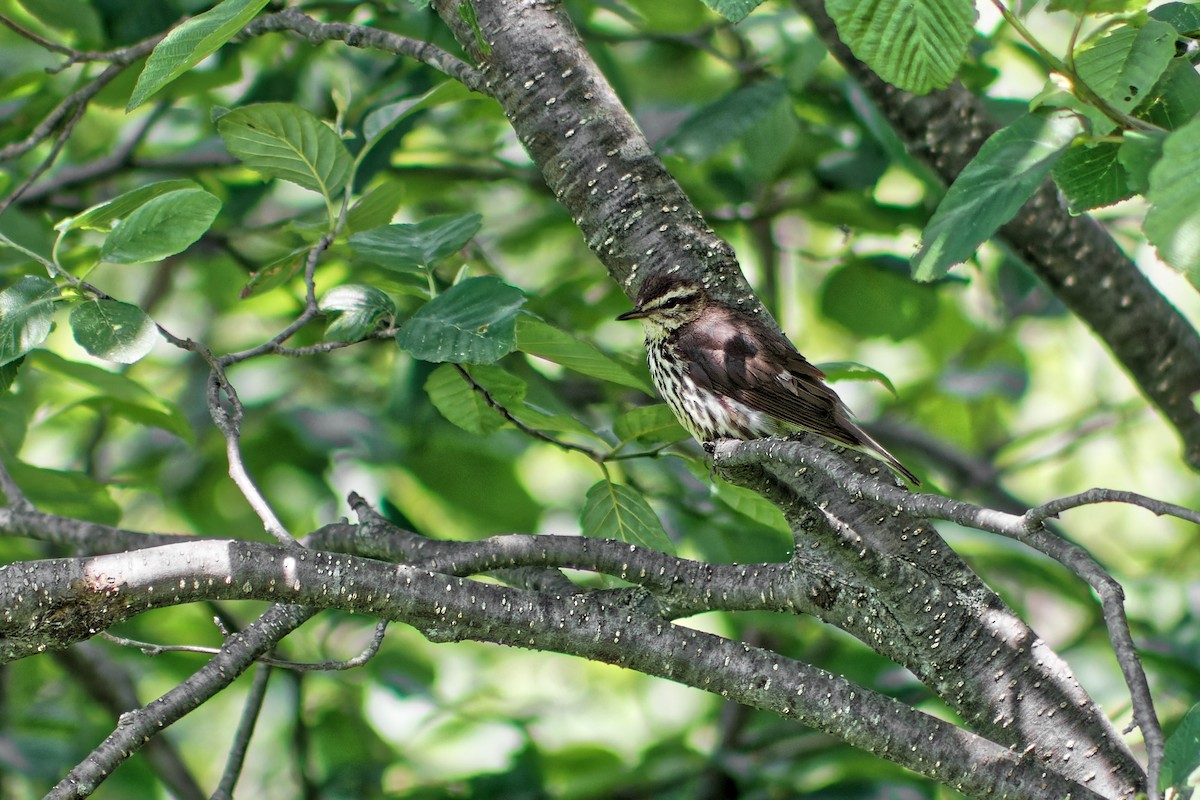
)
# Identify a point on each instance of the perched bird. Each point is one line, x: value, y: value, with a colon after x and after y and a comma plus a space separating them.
x: 727, y: 375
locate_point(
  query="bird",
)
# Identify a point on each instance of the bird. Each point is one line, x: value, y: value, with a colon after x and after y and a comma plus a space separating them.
x: 728, y: 375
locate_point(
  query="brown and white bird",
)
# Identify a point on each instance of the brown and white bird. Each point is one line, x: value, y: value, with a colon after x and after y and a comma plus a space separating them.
x: 727, y: 375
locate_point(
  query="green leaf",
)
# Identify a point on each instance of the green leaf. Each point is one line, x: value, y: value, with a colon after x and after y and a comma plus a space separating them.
x: 1091, y: 176
x: 733, y: 10
x: 405, y: 247
x: 1175, y: 99
x: 281, y: 140
x: 1138, y: 153
x: 751, y: 504
x: 380, y: 121
x: 1008, y: 169
x: 161, y: 227
x: 1123, y: 65
x: 376, y: 208
x: 363, y: 309
x: 26, y: 312
x: 461, y: 404
x: 723, y: 122
x: 67, y: 494
x: 853, y: 371
x: 472, y: 322
x: 8, y: 373
x: 915, y: 45
x: 1173, y: 221
x: 616, y: 511
x: 649, y: 425
x: 1181, y: 760
x: 101, y: 217
x: 537, y: 338
x: 876, y: 297
x: 1183, y: 17
x: 190, y: 43
x: 113, y: 330
x: 73, y: 16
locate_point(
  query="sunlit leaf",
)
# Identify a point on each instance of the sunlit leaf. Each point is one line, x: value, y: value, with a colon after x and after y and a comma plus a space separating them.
x: 67, y: 494
x: 876, y: 297
x: 1124, y: 63
x: 1092, y: 176
x: 538, y: 338
x: 1181, y: 761
x: 853, y: 371
x: 113, y: 330
x: 649, y: 425
x: 466, y: 407
x: 733, y: 10
x: 472, y: 322
x: 26, y: 315
x: 616, y: 511
x: 190, y: 43
x: 376, y: 208
x: 281, y: 140
x: 724, y: 121
x: 408, y: 247
x: 161, y: 227
x: 362, y: 309
x: 1173, y: 221
x: 101, y: 217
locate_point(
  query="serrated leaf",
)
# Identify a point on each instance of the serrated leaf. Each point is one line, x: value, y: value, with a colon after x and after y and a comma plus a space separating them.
x: 538, y: 338
x: 101, y: 217
x: 1173, y: 221
x: 1123, y: 65
x: 723, y: 122
x: 190, y: 43
x: 1092, y: 176
x: 468, y: 409
x: 376, y: 208
x: 281, y: 140
x: 472, y: 322
x: 362, y: 309
x: 1175, y: 99
x: 733, y: 10
x: 616, y: 511
x: 113, y: 330
x: 26, y: 316
x: 161, y: 227
x: 915, y: 45
x: 853, y: 371
x: 649, y: 425
x: 406, y: 247
x: 1008, y: 169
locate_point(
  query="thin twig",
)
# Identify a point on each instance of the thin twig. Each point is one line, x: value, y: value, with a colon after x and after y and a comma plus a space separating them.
x: 245, y: 730
x: 15, y: 498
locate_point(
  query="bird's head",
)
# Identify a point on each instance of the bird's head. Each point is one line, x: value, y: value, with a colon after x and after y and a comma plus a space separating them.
x: 666, y: 303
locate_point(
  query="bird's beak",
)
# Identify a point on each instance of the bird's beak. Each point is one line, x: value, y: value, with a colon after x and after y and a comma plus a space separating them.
x: 635, y: 313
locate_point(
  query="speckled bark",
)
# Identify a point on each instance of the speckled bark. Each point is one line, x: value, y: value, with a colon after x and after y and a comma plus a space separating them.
x: 893, y: 582
x: 1073, y: 255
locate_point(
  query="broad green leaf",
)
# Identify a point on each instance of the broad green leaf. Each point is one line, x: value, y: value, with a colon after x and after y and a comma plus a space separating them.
x: 101, y: 217
x: 1138, y: 154
x: 113, y: 330
x: 649, y: 425
x: 726, y: 120
x: 538, y: 338
x: 1008, y: 169
x: 362, y: 309
x: 1096, y: 6
x: 1123, y: 65
x: 130, y: 399
x: 26, y: 312
x: 1175, y: 99
x: 8, y: 373
x: 751, y: 504
x: 408, y: 247
x: 281, y: 140
x: 74, y: 16
x: 542, y: 420
x: 733, y: 10
x: 915, y: 45
x: 161, y: 227
x: 616, y: 511
x: 1091, y: 176
x: 467, y: 408
x: 376, y: 208
x: 876, y: 297
x: 67, y: 494
x: 378, y: 122
x: 853, y: 371
x: 275, y: 274
x: 1173, y: 221
x: 1181, y: 760
x: 1183, y: 17
x: 190, y: 43
x: 472, y: 322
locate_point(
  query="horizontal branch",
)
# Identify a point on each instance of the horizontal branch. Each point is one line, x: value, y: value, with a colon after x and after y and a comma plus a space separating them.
x: 77, y: 597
